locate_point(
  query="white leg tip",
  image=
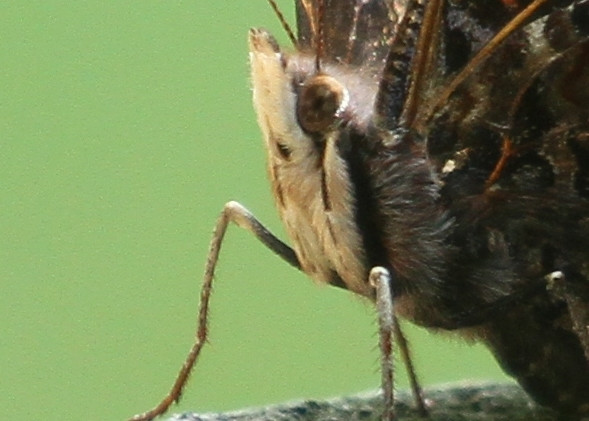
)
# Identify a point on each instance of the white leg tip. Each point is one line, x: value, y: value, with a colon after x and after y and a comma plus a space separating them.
x: 378, y: 274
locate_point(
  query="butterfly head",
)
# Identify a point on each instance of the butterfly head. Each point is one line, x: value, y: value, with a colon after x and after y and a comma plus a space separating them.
x: 306, y: 113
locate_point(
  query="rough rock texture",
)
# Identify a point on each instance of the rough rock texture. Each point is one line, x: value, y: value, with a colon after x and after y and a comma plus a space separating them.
x: 455, y: 402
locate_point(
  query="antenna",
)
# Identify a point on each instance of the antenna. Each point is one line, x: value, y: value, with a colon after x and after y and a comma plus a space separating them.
x: 319, y: 41
x: 353, y: 31
x: 283, y: 22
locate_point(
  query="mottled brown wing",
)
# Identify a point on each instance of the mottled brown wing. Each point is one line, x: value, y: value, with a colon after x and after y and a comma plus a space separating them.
x: 355, y: 32
x: 530, y: 87
x: 511, y: 146
x: 511, y: 143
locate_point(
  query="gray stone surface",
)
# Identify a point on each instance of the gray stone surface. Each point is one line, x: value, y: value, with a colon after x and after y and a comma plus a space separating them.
x: 455, y: 402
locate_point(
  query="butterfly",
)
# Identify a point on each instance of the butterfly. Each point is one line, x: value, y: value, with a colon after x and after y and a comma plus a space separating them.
x: 433, y: 157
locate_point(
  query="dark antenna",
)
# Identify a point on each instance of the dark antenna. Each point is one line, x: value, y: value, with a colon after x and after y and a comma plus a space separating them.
x: 319, y: 41
x: 283, y: 22
x: 352, y: 36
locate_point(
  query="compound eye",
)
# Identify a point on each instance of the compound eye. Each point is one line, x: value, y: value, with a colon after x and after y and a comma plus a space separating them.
x: 321, y: 102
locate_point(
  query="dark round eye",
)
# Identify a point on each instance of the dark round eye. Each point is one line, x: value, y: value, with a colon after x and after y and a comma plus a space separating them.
x: 321, y: 101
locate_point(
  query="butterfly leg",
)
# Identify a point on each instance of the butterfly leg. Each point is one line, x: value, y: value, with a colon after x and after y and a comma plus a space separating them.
x: 577, y: 304
x: 239, y: 215
x: 416, y: 389
x: 380, y: 279
x: 390, y: 332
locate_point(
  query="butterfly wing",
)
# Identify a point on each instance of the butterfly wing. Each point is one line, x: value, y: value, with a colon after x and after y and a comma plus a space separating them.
x: 355, y: 32
x: 510, y: 146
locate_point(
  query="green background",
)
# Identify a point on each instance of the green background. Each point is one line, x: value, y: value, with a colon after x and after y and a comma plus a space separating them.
x: 124, y: 128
